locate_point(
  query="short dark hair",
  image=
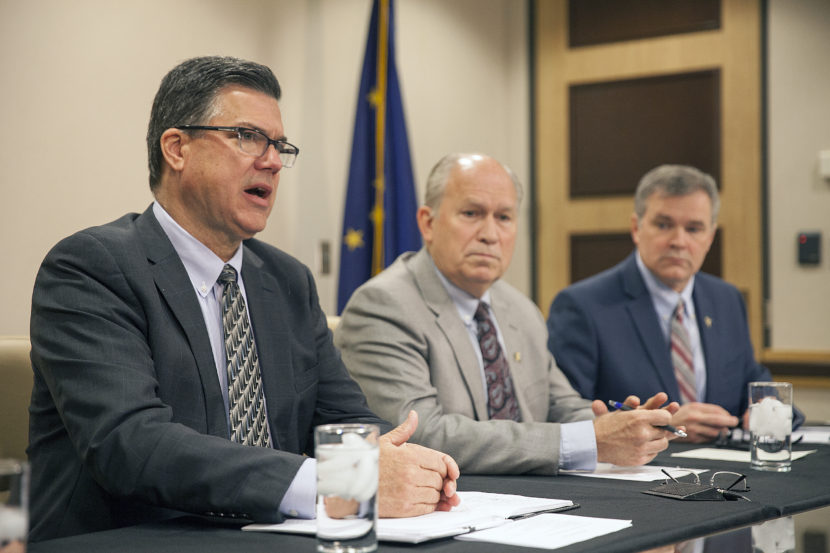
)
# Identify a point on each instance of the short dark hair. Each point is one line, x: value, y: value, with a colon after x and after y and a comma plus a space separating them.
x: 675, y: 180
x: 187, y: 96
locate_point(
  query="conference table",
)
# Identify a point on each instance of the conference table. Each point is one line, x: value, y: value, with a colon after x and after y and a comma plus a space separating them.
x: 656, y: 521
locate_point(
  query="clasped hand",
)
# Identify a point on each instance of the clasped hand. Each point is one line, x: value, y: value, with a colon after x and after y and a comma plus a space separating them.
x: 631, y: 438
x: 414, y: 480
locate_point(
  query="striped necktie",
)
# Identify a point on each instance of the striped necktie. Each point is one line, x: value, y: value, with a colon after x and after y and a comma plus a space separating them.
x: 501, y: 398
x: 248, y: 422
x: 681, y: 356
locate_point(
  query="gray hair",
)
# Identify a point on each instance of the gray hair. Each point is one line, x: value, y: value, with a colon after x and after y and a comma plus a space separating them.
x: 675, y: 180
x: 187, y: 96
x: 440, y: 175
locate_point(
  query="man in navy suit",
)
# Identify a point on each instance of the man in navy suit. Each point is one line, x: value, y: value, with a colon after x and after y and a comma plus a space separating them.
x: 130, y: 406
x: 611, y: 333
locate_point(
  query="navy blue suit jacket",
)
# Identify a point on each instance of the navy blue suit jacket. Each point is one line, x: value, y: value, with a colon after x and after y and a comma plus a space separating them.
x: 127, y: 422
x: 605, y: 336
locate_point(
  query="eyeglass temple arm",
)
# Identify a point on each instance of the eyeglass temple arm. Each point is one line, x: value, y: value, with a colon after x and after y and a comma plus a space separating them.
x: 669, y: 475
x: 736, y: 482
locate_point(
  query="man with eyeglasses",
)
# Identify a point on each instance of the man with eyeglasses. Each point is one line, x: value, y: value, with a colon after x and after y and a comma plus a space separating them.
x: 180, y: 365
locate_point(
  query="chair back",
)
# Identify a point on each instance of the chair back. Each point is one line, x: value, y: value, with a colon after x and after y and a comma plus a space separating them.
x: 15, y: 393
x: 333, y: 321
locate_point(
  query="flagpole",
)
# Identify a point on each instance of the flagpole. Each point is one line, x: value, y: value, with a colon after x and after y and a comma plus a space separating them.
x: 378, y: 263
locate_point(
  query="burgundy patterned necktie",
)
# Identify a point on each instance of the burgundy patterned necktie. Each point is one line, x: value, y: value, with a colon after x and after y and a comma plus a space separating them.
x: 248, y: 422
x: 681, y: 357
x: 501, y: 399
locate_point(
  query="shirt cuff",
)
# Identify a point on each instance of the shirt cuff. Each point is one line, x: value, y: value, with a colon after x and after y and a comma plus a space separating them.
x: 300, y: 500
x: 577, y: 446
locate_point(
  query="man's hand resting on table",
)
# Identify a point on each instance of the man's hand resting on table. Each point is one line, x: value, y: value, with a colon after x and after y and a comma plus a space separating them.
x: 414, y: 480
x: 704, y: 422
x: 630, y: 438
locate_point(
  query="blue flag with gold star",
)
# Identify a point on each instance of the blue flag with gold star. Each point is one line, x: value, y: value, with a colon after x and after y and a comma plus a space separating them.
x: 379, y: 220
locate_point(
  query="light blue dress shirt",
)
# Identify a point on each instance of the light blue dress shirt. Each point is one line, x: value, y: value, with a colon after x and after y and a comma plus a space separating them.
x: 577, y: 441
x: 665, y: 301
x: 203, y: 268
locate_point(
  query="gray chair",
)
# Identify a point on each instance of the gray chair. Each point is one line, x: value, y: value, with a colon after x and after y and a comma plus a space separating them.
x: 15, y: 394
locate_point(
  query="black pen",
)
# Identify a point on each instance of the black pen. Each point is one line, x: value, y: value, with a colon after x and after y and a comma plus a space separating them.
x: 668, y: 427
x: 554, y: 510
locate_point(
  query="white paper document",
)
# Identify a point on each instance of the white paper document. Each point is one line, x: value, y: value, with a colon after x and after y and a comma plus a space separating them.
x: 812, y: 435
x: 548, y: 531
x: 478, y: 510
x: 645, y: 473
x: 722, y: 454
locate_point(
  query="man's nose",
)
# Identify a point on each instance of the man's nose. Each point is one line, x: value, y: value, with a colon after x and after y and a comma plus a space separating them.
x: 270, y: 159
x: 488, y: 231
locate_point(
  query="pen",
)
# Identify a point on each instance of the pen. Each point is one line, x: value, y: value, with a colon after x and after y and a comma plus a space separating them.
x: 624, y: 407
x: 554, y: 510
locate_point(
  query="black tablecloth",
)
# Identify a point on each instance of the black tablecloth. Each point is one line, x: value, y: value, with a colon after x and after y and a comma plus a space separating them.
x: 656, y: 521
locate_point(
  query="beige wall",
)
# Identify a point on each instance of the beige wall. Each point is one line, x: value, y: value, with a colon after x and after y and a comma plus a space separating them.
x: 79, y: 78
x: 799, y: 127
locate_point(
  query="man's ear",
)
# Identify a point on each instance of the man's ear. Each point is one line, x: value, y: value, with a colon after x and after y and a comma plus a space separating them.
x: 173, y: 142
x: 635, y: 227
x: 424, y: 218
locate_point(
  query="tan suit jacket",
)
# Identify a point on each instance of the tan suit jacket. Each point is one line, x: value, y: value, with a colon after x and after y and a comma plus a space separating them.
x: 403, y: 341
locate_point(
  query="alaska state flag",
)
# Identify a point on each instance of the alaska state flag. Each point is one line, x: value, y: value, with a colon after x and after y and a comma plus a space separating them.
x: 379, y: 220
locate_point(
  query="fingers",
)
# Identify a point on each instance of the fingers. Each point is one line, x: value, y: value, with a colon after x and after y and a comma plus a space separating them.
x: 655, y: 401
x: 599, y: 408
x: 632, y: 401
x: 403, y: 431
x: 672, y: 407
x: 453, y: 472
x: 414, y: 480
x: 631, y: 438
x: 447, y: 503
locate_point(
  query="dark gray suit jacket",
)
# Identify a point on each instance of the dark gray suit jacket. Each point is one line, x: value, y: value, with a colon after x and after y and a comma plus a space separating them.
x: 127, y: 419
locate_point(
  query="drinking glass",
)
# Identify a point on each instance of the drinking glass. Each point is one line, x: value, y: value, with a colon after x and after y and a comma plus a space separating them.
x: 347, y: 487
x: 14, y: 505
x: 770, y: 425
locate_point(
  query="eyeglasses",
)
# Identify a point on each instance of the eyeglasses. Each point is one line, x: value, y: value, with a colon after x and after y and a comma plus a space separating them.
x: 253, y: 142
x: 723, y: 481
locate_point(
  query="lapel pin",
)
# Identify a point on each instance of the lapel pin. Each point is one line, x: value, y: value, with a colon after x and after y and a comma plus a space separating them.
x: 707, y: 320
x: 518, y: 357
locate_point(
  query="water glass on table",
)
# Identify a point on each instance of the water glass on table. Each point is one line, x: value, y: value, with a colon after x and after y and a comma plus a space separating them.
x: 770, y: 425
x: 14, y: 505
x: 347, y: 487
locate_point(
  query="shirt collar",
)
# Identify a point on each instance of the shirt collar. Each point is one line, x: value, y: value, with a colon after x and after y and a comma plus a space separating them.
x: 464, y: 302
x: 202, y: 265
x: 664, y: 297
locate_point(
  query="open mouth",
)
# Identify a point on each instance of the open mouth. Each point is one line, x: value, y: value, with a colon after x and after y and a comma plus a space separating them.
x: 258, y: 191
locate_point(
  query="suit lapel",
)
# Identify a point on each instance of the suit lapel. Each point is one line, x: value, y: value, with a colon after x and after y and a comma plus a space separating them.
x: 641, y: 310
x: 272, y: 343
x: 175, y: 287
x: 450, y: 323
x: 704, y: 312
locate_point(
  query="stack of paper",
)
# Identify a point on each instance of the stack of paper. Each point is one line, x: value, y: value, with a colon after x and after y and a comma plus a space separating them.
x: 478, y: 510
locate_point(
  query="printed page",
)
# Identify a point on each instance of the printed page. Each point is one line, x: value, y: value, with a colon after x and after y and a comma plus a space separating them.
x: 548, y: 531
x: 645, y: 473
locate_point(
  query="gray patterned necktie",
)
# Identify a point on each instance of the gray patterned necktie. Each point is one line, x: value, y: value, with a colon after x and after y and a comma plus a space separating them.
x: 249, y: 425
